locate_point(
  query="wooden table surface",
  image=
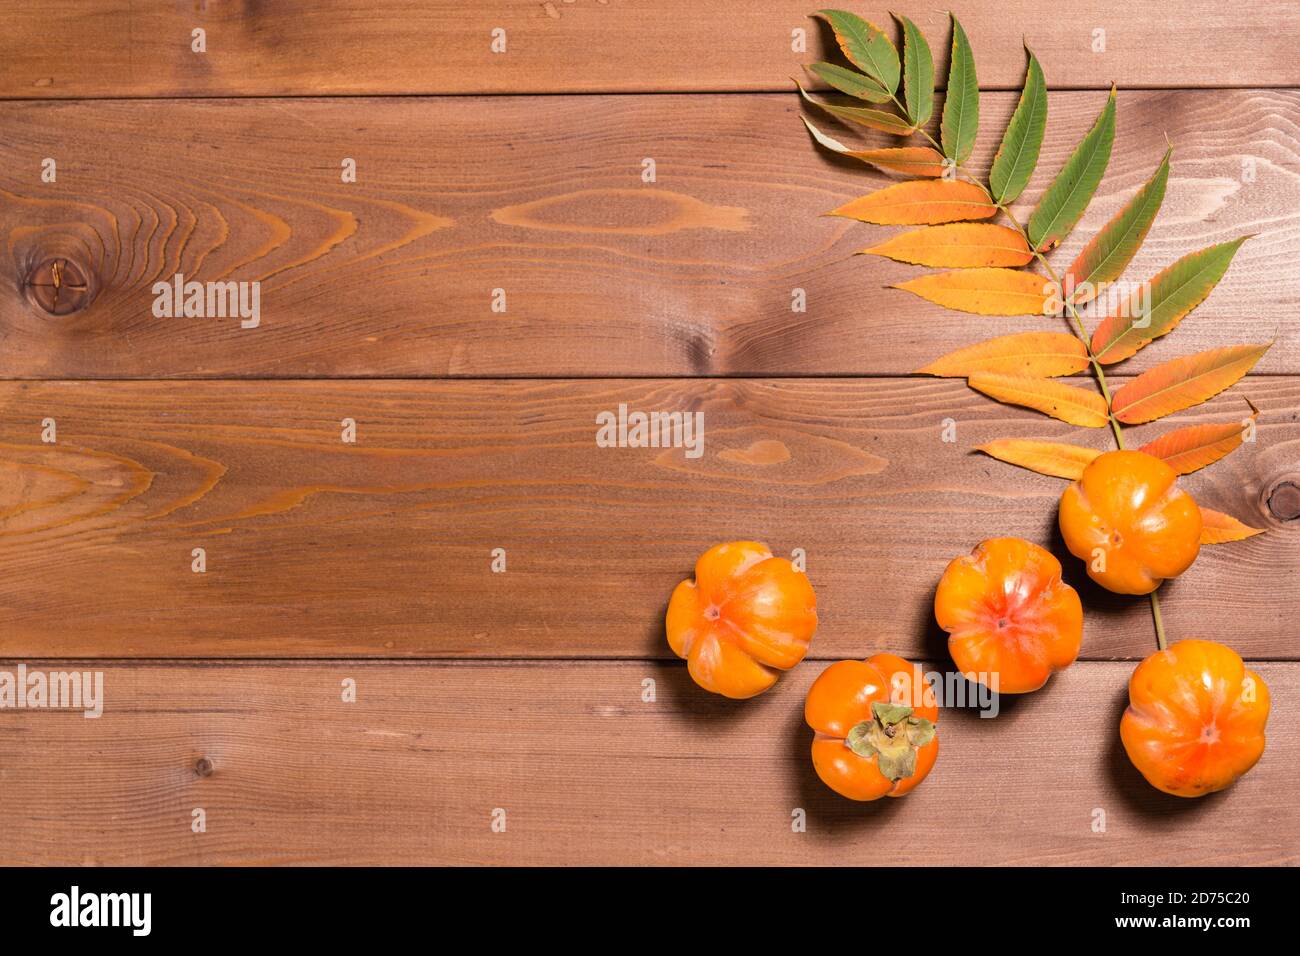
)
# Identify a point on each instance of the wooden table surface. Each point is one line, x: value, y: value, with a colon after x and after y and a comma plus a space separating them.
x: 547, y: 691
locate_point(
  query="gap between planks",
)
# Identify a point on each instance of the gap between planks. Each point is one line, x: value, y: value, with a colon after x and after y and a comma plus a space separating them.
x: 563, y: 661
x: 561, y: 94
x: 524, y: 379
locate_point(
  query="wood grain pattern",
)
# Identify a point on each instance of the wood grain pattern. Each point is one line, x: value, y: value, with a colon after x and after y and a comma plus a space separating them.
x: 71, y: 48
x: 588, y: 773
x: 317, y: 548
x: 523, y: 690
x: 604, y: 275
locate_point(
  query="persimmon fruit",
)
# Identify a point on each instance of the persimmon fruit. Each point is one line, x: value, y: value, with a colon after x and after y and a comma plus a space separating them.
x: 745, y: 617
x: 1011, y: 620
x: 1195, y: 718
x: 873, y: 727
x: 1127, y: 519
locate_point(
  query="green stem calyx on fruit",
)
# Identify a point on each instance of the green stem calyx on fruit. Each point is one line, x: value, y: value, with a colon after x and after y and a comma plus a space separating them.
x: 892, y: 736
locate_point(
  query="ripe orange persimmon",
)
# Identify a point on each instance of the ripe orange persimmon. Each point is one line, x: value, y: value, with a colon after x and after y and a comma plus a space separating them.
x: 874, y: 727
x: 746, y: 616
x: 1008, y: 613
x: 1195, y: 718
x: 1130, y: 523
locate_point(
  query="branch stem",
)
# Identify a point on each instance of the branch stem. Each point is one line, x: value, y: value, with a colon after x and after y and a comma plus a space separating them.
x: 1160, y: 624
x: 1077, y: 328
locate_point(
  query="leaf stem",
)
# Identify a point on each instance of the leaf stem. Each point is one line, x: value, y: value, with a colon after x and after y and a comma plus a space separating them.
x: 1160, y: 624
x: 1079, y: 331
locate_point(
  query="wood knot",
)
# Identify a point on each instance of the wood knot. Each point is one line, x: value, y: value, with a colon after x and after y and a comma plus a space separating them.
x: 1284, y: 500
x: 204, y: 767
x: 59, y: 286
x: 700, y: 352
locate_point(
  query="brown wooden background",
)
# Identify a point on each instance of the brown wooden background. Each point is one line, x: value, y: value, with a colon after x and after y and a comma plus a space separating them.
x: 371, y: 561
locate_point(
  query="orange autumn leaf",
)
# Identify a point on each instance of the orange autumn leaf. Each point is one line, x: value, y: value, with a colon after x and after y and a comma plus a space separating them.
x: 1157, y: 307
x: 958, y: 245
x: 1045, y: 457
x: 920, y: 203
x: 913, y: 160
x: 1218, y: 528
x: 986, y: 291
x: 1041, y: 354
x: 872, y: 119
x: 1183, y: 382
x: 1189, y: 449
x: 1078, y: 406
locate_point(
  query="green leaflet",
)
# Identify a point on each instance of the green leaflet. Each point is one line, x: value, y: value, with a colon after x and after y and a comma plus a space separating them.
x: 876, y: 119
x: 961, y: 108
x: 918, y: 73
x: 1068, y: 196
x: 851, y: 82
x: 1108, y: 253
x: 865, y: 46
x: 1018, y: 155
x: 1173, y: 294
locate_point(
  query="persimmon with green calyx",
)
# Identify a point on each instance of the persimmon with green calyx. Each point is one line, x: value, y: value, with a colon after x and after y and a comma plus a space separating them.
x: 1011, y: 620
x: 1131, y: 524
x: 874, y: 727
x: 1195, y: 718
x: 745, y: 617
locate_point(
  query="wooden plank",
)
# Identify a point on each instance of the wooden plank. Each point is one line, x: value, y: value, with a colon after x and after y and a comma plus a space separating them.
x: 603, y: 275
x: 589, y: 773
x: 75, y: 48
x: 383, y: 548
